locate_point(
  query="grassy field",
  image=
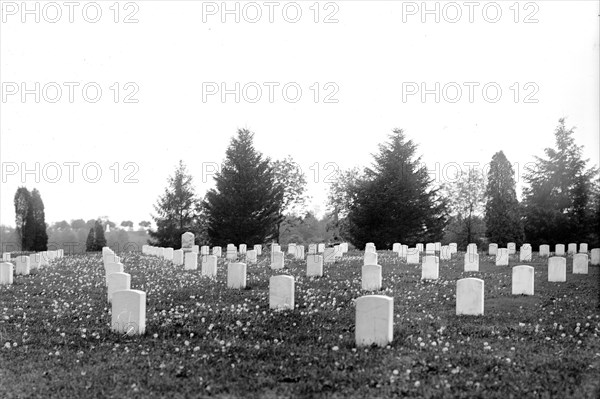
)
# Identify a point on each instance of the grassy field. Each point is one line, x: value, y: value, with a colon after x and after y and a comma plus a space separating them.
x: 205, y: 340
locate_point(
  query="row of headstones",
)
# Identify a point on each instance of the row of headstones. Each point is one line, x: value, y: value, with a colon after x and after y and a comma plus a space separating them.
x: 25, y: 264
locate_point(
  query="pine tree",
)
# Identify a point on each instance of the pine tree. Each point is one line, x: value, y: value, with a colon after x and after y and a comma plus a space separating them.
x: 178, y: 211
x: 24, y: 218
x: 396, y: 200
x: 99, y: 239
x: 502, y: 209
x: 90, y: 243
x: 40, y: 237
x: 245, y: 206
x: 559, y: 198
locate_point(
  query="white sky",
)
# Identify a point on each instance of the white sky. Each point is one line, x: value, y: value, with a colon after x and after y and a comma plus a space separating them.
x: 369, y: 55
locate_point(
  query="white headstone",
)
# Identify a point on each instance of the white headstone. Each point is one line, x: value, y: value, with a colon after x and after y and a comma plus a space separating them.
x: 471, y: 262
x: 23, y: 266
x: 412, y: 256
x: 469, y: 296
x: 277, y: 260
x: 559, y: 249
x: 445, y: 253
x: 178, y: 257
x: 314, y: 265
x: 557, y: 269
x: 243, y: 248
x: 236, y: 275
x: 370, y: 258
x: 196, y: 249
x: 34, y: 261
x: 583, y: 248
x: 187, y: 241
x: 321, y: 248
x: 291, y: 249
x: 190, y: 261
x: 472, y: 248
x: 275, y: 248
x: 258, y: 249
x: 205, y: 250
x: 216, y: 251
x: 580, y: 264
x: 522, y: 280
x: 396, y: 247
x: 231, y: 254
x: 512, y: 248
x: 371, y: 277
x: 502, y: 257
x: 281, y: 292
x: 337, y: 250
x: 419, y: 247
x: 329, y: 255
x: 572, y: 248
x: 438, y: 246
x: 344, y: 247
x: 299, y: 252
x: 117, y: 282
x: 403, y: 252
x: 251, y: 256
x: 370, y: 247
x: 374, y: 320
x: 209, y: 265
x: 168, y: 254
x: 312, y: 249
x: 525, y: 254
x: 6, y: 273
x: 128, y: 312
x: 111, y: 268
x: 493, y: 249
x: 430, y: 248
x: 453, y: 247
x: 595, y: 256
x: 544, y: 250
x: 430, y: 268
x: 6, y: 257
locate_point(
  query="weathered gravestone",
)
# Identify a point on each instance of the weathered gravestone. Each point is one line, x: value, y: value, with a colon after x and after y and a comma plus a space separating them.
x: 243, y: 248
x: 430, y: 268
x: 187, y: 241
x: 572, y: 248
x: 583, y: 248
x: 525, y: 253
x: 258, y: 249
x: 512, y: 248
x: 299, y: 252
x: 22, y: 265
x: 580, y: 264
x: 312, y: 249
x: 374, y: 320
x: 117, y: 282
x: 128, y: 312
x: 329, y: 255
x: 190, y: 261
x: 314, y: 265
x: 291, y: 250
x: 205, y: 250
x: 236, y: 275
x: 281, y: 292
x: 471, y: 262
x: 370, y: 247
x: 502, y: 257
x: 251, y: 256
x: 370, y: 258
x: 412, y: 256
x: 277, y: 260
x: 595, y: 256
x: 492, y: 249
x: 445, y: 253
x: 522, y: 280
x: 6, y: 273
x: 544, y: 250
x: 209, y: 265
x: 559, y: 249
x: 469, y: 296
x: 231, y: 253
x: 472, y: 248
x: 216, y: 251
x: 371, y: 277
x: 557, y: 269
x: 178, y: 257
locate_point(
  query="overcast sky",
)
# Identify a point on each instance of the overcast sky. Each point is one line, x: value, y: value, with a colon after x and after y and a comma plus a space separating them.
x: 325, y: 92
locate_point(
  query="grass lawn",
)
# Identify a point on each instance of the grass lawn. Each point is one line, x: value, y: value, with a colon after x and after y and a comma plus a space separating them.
x: 203, y: 339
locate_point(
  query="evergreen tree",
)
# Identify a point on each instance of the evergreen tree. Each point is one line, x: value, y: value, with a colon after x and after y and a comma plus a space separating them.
x: 245, y: 206
x: 395, y: 201
x: 99, y: 239
x: 40, y: 236
x: 502, y: 209
x: 24, y: 218
x: 178, y: 211
x: 561, y: 195
x: 90, y: 243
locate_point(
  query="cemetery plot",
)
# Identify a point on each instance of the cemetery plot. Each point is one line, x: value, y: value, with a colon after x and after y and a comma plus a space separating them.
x: 180, y: 333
